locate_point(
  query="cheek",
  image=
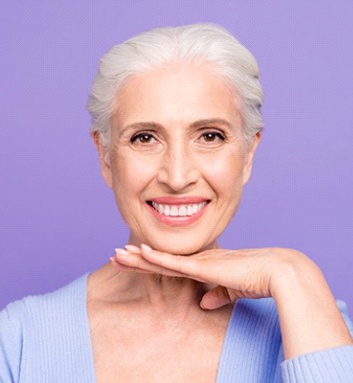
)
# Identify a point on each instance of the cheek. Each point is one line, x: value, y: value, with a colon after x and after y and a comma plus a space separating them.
x: 226, y: 172
x: 131, y: 175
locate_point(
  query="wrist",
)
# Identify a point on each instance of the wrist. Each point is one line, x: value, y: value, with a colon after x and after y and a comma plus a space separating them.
x: 309, y: 317
x: 295, y: 274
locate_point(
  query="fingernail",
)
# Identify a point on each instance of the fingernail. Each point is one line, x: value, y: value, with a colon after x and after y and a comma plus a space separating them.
x: 121, y: 252
x: 146, y: 248
x: 133, y: 248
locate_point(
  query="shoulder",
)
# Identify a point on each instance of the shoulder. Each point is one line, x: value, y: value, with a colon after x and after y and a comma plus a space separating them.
x: 32, y: 320
x: 38, y: 305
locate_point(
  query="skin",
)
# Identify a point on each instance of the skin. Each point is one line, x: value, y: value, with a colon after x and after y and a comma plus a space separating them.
x: 177, y: 133
x: 177, y: 160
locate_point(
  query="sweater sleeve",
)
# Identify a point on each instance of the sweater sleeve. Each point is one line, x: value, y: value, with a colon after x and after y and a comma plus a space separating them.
x: 11, y: 342
x: 327, y: 366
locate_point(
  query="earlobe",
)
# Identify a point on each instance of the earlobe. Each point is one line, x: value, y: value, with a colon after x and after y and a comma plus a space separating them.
x: 252, y: 146
x: 104, y: 160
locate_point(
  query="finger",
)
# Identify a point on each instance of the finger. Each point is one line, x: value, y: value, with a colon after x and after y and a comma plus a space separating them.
x: 137, y: 262
x: 123, y: 268
x: 133, y: 249
x: 185, y: 265
x: 216, y: 298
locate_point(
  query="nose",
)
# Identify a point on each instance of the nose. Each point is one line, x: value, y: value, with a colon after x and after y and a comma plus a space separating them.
x: 178, y: 169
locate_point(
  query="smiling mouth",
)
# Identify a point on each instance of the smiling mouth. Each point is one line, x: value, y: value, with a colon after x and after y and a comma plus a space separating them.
x: 186, y: 210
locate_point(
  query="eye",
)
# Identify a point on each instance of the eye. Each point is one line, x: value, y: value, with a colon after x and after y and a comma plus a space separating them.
x: 142, y: 138
x: 212, y: 136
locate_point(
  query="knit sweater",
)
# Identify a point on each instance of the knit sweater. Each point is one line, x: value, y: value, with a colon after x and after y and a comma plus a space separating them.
x: 46, y: 339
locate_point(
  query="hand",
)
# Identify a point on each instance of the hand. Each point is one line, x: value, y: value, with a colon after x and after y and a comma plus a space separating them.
x: 237, y: 273
x: 292, y: 279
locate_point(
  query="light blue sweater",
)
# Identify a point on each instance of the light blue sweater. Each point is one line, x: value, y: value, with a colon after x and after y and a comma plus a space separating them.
x: 46, y: 339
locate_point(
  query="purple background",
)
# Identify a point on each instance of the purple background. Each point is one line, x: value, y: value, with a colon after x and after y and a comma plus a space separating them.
x: 57, y: 218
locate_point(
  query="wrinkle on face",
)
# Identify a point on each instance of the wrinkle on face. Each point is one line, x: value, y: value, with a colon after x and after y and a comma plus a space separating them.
x: 175, y: 105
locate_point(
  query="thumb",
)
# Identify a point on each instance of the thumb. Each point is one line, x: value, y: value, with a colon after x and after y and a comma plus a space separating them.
x: 215, y: 298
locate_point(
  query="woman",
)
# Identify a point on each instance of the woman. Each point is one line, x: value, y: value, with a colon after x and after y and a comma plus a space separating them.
x: 176, y: 121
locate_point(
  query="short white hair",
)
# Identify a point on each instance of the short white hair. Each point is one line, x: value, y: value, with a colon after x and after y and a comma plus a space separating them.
x: 161, y: 46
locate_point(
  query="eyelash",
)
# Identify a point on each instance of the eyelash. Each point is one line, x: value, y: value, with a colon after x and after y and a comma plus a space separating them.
x: 140, y: 135
x: 205, y: 135
x: 219, y: 135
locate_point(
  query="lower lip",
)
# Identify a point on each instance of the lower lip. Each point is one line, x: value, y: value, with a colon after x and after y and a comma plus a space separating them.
x: 178, y: 221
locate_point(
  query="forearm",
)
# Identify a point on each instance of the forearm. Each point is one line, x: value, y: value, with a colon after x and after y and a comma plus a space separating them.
x: 309, y: 317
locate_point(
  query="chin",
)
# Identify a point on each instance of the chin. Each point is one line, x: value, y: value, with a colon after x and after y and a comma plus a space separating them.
x: 180, y: 244
x: 183, y: 249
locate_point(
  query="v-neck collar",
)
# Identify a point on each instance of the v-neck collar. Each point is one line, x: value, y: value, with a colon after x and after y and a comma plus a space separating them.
x: 251, y: 340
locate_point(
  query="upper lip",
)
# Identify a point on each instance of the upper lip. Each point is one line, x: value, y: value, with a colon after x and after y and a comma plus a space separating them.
x: 168, y: 200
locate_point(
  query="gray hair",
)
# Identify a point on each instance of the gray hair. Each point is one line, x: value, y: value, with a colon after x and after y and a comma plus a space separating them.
x: 159, y: 47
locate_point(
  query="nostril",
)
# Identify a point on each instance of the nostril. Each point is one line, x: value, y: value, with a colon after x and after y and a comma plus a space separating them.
x: 178, y: 175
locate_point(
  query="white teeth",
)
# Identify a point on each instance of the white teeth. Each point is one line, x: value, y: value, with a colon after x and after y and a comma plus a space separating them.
x: 182, y: 211
x: 173, y: 211
x: 178, y: 210
x: 166, y: 210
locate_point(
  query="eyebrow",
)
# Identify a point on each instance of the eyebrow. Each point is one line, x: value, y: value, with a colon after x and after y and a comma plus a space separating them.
x: 196, y: 124
x: 211, y: 121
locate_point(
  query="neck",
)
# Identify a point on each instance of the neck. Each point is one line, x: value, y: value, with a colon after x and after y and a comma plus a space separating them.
x: 169, y: 291
x: 160, y: 292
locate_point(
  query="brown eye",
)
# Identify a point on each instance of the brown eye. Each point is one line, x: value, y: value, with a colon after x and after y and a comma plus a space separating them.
x: 212, y: 136
x: 142, y: 138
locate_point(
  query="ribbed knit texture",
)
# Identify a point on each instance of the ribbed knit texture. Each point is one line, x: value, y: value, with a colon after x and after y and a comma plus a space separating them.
x: 318, y: 367
x: 252, y: 340
x: 46, y: 339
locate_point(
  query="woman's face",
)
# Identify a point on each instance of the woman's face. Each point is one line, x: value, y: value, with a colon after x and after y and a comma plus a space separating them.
x: 178, y: 159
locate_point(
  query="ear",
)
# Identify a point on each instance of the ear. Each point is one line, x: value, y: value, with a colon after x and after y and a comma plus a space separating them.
x: 104, y: 160
x: 251, y: 149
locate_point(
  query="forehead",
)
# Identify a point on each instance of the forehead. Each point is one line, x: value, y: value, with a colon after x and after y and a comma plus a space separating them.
x: 176, y: 94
